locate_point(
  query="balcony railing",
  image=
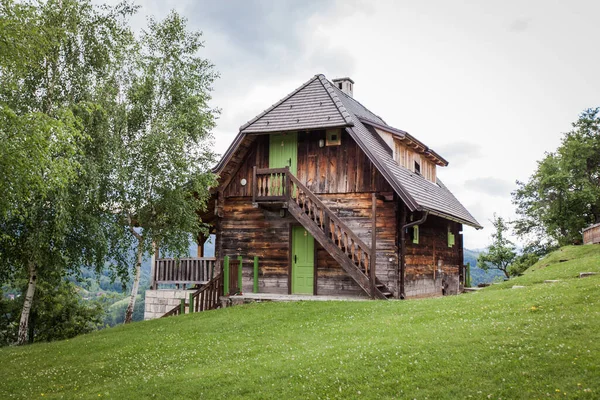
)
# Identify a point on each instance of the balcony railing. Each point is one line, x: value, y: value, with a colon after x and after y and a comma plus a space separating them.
x: 183, y: 271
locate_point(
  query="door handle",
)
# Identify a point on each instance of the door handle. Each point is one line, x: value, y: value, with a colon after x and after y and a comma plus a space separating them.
x: 295, y: 259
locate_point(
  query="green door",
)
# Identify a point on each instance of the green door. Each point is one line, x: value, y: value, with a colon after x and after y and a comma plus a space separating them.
x: 283, y: 151
x: 303, y: 261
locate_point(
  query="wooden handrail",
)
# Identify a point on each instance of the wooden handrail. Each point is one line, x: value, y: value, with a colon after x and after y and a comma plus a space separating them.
x: 205, y: 298
x: 331, y: 215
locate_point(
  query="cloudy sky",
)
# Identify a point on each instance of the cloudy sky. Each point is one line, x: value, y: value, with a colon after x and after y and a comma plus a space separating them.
x: 489, y: 85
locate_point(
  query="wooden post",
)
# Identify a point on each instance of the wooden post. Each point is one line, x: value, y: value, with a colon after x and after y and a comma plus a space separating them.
x: 191, y: 303
x: 201, y: 240
x: 226, y: 276
x: 401, y: 294
x: 287, y: 184
x: 254, y: 185
x: 240, y: 275
x: 255, y: 285
x: 153, y: 262
x: 372, y: 276
x: 182, y: 307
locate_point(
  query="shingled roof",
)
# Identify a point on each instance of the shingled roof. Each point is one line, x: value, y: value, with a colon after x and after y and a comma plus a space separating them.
x: 320, y: 104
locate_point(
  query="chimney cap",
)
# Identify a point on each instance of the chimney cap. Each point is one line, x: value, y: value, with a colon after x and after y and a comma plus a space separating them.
x: 346, y: 78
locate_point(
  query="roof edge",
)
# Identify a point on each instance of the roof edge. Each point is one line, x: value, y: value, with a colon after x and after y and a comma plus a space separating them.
x: 453, y: 218
x: 262, y: 114
x: 336, y: 100
x: 404, y: 195
x: 407, y: 135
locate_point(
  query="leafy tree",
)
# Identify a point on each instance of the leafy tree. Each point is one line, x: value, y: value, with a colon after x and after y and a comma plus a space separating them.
x: 58, y: 312
x: 500, y: 253
x: 164, y: 157
x: 55, y: 81
x: 563, y: 195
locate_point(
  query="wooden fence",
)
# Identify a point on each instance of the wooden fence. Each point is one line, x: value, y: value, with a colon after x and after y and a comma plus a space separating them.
x: 183, y: 271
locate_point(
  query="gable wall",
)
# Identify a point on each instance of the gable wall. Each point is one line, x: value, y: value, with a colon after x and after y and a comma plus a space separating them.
x: 329, y: 169
x: 406, y: 157
x: 431, y: 264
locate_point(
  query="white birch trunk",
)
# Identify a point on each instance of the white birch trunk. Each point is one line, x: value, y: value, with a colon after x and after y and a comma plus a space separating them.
x: 24, y: 324
x: 136, y: 281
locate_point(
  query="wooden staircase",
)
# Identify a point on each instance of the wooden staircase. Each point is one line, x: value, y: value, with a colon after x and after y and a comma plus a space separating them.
x: 353, y: 255
x: 204, y: 299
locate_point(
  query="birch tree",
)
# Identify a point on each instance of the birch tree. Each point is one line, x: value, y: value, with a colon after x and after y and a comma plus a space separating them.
x: 57, y: 74
x: 164, y: 160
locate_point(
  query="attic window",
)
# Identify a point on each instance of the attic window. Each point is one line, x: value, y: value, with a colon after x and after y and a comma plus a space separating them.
x: 417, y: 167
x: 340, y: 85
x: 333, y: 137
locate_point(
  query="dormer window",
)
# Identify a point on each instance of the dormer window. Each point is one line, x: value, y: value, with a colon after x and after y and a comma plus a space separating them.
x: 417, y: 167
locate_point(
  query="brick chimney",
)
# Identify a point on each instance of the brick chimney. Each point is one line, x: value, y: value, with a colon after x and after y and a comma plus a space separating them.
x: 346, y: 85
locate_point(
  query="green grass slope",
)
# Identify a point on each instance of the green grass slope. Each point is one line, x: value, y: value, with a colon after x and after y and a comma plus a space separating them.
x: 541, y: 341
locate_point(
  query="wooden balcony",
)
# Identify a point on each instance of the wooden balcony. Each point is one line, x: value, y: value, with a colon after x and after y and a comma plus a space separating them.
x: 270, y: 185
x: 183, y: 271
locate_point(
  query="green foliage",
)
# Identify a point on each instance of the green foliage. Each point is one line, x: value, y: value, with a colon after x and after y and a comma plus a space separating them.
x: 563, y: 195
x: 501, y: 252
x: 56, y: 83
x: 478, y: 275
x: 58, y: 313
x: 522, y: 263
x: 162, y: 162
x: 537, y: 342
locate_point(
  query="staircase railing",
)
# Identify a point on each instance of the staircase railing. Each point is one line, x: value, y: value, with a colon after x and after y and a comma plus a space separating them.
x: 345, y: 239
x: 338, y: 239
x: 206, y: 298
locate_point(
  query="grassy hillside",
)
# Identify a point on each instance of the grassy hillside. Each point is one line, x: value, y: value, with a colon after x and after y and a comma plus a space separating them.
x: 539, y: 341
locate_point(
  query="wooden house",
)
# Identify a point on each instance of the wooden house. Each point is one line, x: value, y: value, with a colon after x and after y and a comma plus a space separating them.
x: 334, y: 201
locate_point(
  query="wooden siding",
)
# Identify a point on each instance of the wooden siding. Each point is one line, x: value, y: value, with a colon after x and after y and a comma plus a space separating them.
x: 406, y: 157
x: 423, y: 275
x: 591, y: 234
x: 250, y: 232
x: 329, y: 169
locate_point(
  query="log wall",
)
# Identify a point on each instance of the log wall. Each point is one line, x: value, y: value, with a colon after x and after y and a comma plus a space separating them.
x: 329, y: 169
x: 344, y: 178
x: 431, y: 265
x: 261, y: 232
x: 591, y: 234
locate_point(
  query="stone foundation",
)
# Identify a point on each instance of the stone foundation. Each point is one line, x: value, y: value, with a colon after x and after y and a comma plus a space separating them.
x: 158, y: 302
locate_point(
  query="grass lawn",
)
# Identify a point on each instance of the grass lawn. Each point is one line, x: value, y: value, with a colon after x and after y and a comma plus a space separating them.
x: 541, y: 341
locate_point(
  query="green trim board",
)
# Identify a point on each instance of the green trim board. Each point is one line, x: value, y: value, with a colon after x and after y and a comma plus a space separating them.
x: 303, y: 261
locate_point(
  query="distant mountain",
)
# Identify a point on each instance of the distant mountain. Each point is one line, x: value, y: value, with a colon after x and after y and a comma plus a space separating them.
x: 477, y: 274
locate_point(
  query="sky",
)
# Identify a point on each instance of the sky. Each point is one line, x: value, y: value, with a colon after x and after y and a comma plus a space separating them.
x: 491, y: 86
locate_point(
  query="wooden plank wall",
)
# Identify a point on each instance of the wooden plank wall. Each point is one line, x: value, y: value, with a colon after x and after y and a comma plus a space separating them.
x: 355, y: 212
x: 407, y: 157
x: 591, y: 234
x: 250, y: 232
x: 258, y: 155
x: 423, y: 277
x: 329, y: 169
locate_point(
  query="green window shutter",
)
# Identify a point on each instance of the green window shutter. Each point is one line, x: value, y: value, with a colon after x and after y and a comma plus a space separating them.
x: 416, y: 234
x: 450, y: 239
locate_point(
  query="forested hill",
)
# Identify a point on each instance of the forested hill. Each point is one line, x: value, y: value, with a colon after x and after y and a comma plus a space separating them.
x: 477, y: 274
